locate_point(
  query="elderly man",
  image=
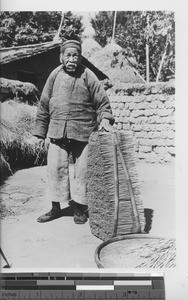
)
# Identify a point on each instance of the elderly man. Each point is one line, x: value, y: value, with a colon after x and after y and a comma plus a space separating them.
x: 72, y: 105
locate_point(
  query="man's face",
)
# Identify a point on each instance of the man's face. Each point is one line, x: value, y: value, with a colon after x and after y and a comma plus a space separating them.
x: 70, y: 58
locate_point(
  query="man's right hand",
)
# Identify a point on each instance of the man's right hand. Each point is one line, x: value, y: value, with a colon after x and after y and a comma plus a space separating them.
x: 40, y: 143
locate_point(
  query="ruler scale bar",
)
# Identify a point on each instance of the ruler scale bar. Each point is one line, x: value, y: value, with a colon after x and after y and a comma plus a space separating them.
x: 85, y: 286
x: 133, y: 282
x: 93, y: 294
x: 55, y: 282
x: 95, y: 287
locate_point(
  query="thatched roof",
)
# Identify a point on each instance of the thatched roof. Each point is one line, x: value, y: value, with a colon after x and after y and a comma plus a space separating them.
x: 89, y: 47
x: 114, y: 64
x: 19, y: 52
x: 15, y: 53
x: 10, y: 88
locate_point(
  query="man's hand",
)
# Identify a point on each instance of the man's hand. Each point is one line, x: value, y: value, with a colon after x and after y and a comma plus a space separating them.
x: 41, y: 143
x: 105, y: 124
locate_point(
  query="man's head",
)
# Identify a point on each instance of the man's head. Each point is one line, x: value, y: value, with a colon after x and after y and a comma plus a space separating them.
x: 70, y: 55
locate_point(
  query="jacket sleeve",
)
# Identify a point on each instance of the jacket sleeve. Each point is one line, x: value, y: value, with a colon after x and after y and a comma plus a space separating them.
x: 43, y: 116
x: 100, y: 98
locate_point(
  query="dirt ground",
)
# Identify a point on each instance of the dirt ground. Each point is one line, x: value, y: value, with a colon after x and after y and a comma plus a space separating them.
x: 61, y: 243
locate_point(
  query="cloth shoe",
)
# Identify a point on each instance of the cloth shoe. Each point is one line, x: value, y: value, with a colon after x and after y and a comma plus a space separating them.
x: 54, y: 213
x: 80, y: 213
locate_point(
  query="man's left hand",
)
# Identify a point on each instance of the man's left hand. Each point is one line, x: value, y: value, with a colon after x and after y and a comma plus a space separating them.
x: 105, y: 125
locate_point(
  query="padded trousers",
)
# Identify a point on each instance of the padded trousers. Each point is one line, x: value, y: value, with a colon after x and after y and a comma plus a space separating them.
x: 67, y: 181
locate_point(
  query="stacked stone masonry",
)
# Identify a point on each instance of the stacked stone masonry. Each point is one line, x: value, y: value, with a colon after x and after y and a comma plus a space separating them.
x: 148, y: 110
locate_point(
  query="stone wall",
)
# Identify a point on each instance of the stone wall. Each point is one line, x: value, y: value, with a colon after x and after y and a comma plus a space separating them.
x: 148, y: 110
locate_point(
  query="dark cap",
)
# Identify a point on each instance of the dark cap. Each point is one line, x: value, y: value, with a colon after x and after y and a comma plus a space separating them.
x: 71, y: 44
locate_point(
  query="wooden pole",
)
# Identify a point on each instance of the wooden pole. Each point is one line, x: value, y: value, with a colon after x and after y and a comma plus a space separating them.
x: 147, y: 51
x: 147, y: 62
x: 57, y: 36
x: 59, y: 30
x: 8, y: 265
x: 116, y: 187
x: 114, y: 27
x: 160, y: 67
x: 135, y: 70
x: 162, y: 60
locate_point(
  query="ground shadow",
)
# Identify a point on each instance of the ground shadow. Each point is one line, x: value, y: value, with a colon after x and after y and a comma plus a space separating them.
x: 148, y: 213
x: 65, y: 212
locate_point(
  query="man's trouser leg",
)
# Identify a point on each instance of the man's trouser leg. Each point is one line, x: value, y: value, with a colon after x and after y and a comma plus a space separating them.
x: 58, y: 189
x: 58, y: 172
x: 78, y: 182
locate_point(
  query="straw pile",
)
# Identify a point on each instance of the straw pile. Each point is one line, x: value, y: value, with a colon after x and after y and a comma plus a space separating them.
x: 101, y: 186
x: 111, y: 61
x: 89, y: 47
x: 18, y: 147
x: 140, y: 253
x: 25, y: 91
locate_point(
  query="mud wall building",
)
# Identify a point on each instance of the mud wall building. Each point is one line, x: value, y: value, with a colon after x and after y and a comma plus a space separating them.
x: 148, y: 110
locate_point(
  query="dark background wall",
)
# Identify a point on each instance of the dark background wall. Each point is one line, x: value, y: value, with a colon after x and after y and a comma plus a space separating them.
x: 34, y: 69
